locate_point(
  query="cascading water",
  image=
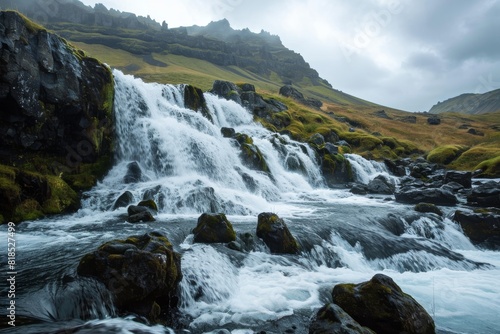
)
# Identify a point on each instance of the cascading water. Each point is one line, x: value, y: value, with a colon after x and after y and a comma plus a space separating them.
x: 188, y: 167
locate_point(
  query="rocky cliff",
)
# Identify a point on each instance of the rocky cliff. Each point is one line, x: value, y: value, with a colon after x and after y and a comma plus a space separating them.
x: 55, y: 119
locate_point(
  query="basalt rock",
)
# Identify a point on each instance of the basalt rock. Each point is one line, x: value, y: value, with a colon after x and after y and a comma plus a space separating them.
x: 483, y: 229
x: 382, y: 306
x: 276, y: 235
x: 142, y: 273
x: 332, y: 319
x: 463, y: 178
x: 438, y: 196
x: 486, y: 194
x: 214, y: 228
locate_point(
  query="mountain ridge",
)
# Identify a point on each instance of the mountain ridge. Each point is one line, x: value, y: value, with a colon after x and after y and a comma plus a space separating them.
x: 470, y: 103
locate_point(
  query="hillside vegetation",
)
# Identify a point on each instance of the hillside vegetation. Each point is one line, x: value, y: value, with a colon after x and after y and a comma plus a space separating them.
x: 472, y: 104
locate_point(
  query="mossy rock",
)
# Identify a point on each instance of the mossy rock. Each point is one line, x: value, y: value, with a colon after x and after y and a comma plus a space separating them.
x: 382, y: 306
x: 490, y: 168
x: 332, y: 319
x: 275, y: 234
x: 214, y: 228
x: 149, y: 203
x: 336, y: 169
x: 195, y: 100
x: 428, y: 207
x: 445, y: 154
x: 142, y: 273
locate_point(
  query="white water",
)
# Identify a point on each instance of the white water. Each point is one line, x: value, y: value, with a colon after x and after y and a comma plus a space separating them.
x: 184, y: 154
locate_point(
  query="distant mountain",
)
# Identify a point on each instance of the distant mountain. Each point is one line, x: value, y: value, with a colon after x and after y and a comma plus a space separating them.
x: 260, y: 55
x: 472, y: 104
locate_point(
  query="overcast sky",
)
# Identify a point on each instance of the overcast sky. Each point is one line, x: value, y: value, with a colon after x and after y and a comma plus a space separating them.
x: 404, y: 54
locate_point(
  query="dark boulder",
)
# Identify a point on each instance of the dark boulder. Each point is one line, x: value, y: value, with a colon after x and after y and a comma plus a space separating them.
x: 227, y: 132
x: 332, y: 319
x: 142, y: 273
x: 227, y: 90
x: 144, y: 216
x: 428, y: 207
x: 483, y: 229
x: 408, y: 119
x: 381, y: 185
x: 317, y: 139
x: 214, y: 228
x: 292, y: 92
x: 336, y: 169
x: 463, y: 178
x: 453, y: 186
x: 475, y: 132
x: 433, y: 120
x: 275, y: 105
x: 359, y: 189
x: 486, y: 194
x: 123, y: 200
x: 381, y: 114
x: 395, y: 167
x: 134, y: 173
x: 276, y: 235
x: 382, y: 306
x: 438, y: 196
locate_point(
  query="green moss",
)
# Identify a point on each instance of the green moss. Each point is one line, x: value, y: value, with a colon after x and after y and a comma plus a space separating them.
x: 29, y: 209
x: 445, y: 154
x: 490, y: 167
x: 62, y: 197
x: 149, y: 204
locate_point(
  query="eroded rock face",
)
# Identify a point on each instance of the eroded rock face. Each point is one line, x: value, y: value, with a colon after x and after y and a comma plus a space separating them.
x: 382, y: 306
x: 54, y: 98
x: 142, y: 273
x: 332, y: 319
x: 483, y: 229
x: 276, y: 235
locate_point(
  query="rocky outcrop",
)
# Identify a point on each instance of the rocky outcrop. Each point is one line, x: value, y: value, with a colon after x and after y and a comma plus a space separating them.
x: 381, y: 185
x: 332, y: 319
x: 214, y: 228
x: 382, y: 306
x: 246, y: 96
x: 292, y: 92
x: 434, y: 120
x: 463, y: 178
x: 142, y: 273
x: 56, y: 116
x: 483, y: 229
x: 276, y: 235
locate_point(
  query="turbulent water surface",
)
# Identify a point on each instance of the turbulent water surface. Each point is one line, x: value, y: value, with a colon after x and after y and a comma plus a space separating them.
x: 190, y: 168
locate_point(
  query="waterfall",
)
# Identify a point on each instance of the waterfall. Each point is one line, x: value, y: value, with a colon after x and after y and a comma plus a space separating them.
x: 365, y: 170
x: 186, y: 162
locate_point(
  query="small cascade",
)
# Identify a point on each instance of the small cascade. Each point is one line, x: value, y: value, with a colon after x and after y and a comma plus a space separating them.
x: 366, y: 170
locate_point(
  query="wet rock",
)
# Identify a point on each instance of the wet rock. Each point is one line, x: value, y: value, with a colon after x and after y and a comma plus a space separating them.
x: 382, y: 306
x: 463, y: 178
x: 144, y: 216
x: 486, y: 194
x: 453, y: 186
x: 227, y: 132
x: 381, y: 185
x: 332, y: 319
x: 123, y: 200
x: 317, y: 139
x: 195, y: 100
x: 359, y: 189
x: 395, y: 168
x: 275, y: 234
x: 336, y: 169
x: 483, y: 229
x: 149, y: 203
x: 141, y: 272
x: 428, y: 207
x: 134, y: 173
x: 227, y: 90
x: 437, y: 196
x: 214, y: 228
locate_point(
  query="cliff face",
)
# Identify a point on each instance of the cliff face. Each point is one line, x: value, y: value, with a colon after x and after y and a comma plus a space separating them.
x: 472, y: 104
x: 56, y: 111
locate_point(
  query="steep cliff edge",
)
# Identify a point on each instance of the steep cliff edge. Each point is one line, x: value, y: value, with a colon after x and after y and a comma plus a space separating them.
x: 56, y: 120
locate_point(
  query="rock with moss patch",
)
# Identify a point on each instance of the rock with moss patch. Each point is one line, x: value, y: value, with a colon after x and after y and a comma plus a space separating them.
x: 214, y: 228
x: 332, y: 319
x: 382, y: 306
x: 275, y: 234
x: 123, y: 200
x: 142, y: 273
x: 336, y: 169
x: 428, y: 208
x: 381, y: 185
x: 195, y: 100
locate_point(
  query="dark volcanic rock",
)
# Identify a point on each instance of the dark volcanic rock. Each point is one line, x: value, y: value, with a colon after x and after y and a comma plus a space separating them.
x: 382, y: 114
x: 382, y: 306
x: 195, y: 100
x: 381, y: 185
x: 433, y: 120
x: 227, y: 132
x: 428, y: 207
x: 482, y: 228
x: 332, y: 319
x: 438, y: 196
x: 134, y: 173
x: 463, y: 178
x: 487, y: 194
x: 214, y: 228
x: 53, y: 97
x: 273, y: 230
x: 142, y: 273
x: 290, y: 91
x: 123, y: 200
